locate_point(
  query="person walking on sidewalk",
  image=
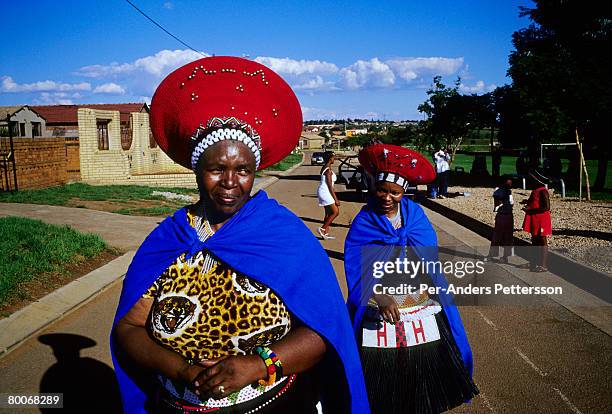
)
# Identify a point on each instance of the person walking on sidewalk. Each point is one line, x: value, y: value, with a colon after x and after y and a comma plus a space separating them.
x: 327, y: 196
x: 231, y: 305
x: 537, y: 222
x: 442, y: 159
x: 504, y: 222
x: 414, y: 350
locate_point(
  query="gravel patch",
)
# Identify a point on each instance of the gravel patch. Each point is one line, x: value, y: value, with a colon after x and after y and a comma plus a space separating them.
x: 173, y: 196
x: 581, y: 230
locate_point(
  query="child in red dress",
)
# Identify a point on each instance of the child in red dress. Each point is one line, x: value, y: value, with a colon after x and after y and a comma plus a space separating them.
x: 537, y: 222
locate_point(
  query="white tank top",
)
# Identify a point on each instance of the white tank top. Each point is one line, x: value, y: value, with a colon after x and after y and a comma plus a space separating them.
x: 324, y: 177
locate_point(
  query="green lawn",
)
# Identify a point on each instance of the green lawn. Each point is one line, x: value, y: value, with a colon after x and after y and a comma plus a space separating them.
x: 508, y: 166
x: 288, y: 162
x: 59, y: 196
x: 31, y: 250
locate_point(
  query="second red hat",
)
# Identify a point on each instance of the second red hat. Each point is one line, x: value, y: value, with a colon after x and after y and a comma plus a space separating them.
x: 396, y: 164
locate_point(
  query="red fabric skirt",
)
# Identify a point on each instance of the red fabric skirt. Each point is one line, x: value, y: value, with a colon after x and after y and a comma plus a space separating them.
x: 538, y: 224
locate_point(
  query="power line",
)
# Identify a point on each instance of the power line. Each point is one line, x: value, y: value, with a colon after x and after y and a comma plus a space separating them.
x: 160, y: 26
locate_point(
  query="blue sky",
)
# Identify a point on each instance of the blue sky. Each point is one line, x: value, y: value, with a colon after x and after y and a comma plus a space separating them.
x: 344, y: 59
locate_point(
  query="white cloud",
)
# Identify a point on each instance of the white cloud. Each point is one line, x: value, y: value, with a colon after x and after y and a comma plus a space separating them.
x: 307, y: 76
x: 58, y: 98
x: 145, y: 99
x: 137, y: 79
x: 159, y: 65
x: 111, y: 88
x: 286, y: 66
x: 316, y: 83
x: 478, y: 87
x: 169, y: 5
x: 10, y: 86
x: 370, y: 73
x: 410, y: 68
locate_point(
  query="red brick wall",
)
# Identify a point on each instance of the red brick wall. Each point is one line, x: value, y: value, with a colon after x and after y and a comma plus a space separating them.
x: 41, y: 162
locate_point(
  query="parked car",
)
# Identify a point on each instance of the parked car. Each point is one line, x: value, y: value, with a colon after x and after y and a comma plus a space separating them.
x: 350, y: 173
x: 317, y: 158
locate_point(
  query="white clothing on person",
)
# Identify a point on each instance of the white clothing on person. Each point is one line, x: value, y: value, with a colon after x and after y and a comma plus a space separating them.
x: 323, y: 192
x: 442, y: 158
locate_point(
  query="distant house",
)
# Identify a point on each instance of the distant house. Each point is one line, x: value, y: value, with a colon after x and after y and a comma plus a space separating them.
x: 24, y: 121
x: 92, y: 143
x: 63, y: 120
x: 311, y: 141
x: 354, y: 132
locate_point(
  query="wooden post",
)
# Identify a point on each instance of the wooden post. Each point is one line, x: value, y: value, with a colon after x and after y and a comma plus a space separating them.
x: 583, y: 167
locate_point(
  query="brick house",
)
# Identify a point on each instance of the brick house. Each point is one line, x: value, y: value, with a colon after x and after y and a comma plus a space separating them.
x: 25, y: 121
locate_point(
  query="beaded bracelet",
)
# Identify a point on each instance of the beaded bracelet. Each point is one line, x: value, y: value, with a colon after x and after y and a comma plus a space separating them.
x: 273, y: 365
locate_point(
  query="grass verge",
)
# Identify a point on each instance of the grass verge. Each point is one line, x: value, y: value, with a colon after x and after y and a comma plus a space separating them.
x: 147, y: 211
x: 60, y: 196
x: 33, y: 251
x: 288, y: 162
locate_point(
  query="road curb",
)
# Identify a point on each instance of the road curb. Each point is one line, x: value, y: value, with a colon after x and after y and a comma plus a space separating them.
x: 30, y: 320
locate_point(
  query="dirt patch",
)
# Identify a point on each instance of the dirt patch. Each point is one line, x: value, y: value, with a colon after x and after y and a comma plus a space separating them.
x: 581, y: 230
x: 115, y: 206
x: 47, y: 283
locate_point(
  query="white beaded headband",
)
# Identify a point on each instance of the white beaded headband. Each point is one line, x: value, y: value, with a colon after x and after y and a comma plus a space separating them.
x: 223, y: 134
x: 393, y: 178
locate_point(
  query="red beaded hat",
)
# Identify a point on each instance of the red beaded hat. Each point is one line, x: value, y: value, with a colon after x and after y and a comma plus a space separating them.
x: 396, y: 164
x: 224, y: 97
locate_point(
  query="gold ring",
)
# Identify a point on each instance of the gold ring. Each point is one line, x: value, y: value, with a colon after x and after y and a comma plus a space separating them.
x: 221, y: 389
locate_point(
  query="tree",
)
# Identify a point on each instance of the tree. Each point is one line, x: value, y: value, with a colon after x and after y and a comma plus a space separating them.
x: 561, y: 73
x: 450, y: 116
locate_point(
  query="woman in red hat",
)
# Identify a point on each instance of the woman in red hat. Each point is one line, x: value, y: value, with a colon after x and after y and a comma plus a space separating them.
x: 231, y: 305
x: 414, y: 350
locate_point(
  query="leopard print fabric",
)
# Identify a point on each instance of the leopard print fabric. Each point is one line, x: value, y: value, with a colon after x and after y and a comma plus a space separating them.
x: 203, y: 309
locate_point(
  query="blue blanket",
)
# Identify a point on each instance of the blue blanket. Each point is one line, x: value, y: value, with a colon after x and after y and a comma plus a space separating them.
x: 267, y: 242
x: 373, y: 238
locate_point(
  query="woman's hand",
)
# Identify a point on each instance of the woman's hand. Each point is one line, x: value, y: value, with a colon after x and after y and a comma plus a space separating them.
x: 224, y: 376
x: 337, y: 203
x: 388, y: 308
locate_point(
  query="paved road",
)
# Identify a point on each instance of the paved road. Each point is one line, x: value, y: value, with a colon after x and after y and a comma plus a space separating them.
x: 542, y: 359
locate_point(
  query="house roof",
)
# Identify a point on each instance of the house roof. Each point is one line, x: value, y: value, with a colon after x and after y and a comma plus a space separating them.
x: 68, y: 114
x: 9, y: 111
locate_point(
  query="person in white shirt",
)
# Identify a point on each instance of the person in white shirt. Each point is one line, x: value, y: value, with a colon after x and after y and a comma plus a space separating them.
x: 442, y: 159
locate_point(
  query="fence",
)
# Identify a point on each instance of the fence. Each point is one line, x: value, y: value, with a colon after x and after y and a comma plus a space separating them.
x: 40, y: 162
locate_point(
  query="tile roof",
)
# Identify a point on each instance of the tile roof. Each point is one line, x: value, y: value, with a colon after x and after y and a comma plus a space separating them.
x: 67, y: 114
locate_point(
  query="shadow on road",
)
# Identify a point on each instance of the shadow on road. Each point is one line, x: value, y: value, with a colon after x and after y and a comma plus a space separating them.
x: 318, y: 221
x: 602, y: 235
x: 351, y: 196
x: 87, y: 384
x: 334, y: 254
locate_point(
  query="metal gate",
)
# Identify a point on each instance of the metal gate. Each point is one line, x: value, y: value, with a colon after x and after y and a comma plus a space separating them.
x: 8, y: 169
